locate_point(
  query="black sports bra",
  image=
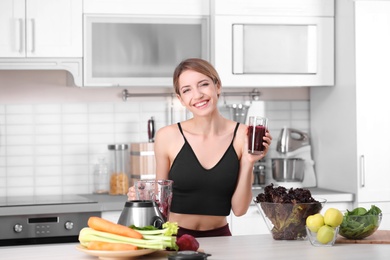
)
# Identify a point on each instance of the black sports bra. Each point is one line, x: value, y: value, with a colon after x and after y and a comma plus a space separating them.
x: 197, y: 190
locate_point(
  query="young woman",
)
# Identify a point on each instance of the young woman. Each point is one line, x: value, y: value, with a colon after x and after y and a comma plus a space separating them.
x: 206, y: 156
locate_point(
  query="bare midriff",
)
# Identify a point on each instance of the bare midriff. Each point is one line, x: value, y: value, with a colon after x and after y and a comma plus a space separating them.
x: 198, y: 222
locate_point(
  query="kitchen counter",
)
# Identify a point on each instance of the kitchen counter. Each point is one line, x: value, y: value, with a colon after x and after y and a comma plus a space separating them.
x: 105, y: 202
x: 221, y: 248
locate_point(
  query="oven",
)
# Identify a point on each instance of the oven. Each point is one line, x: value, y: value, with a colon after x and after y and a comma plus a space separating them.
x: 44, y: 219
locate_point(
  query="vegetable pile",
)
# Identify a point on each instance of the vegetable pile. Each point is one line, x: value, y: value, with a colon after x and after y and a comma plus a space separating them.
x: 287, y: 209
x: 102, y: 234
x: 360, y: 223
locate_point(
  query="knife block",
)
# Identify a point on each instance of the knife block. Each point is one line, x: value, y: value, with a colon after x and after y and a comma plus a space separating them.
x: 142, y: 161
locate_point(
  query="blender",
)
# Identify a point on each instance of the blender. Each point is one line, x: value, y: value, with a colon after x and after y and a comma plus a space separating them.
x: 152, y: 205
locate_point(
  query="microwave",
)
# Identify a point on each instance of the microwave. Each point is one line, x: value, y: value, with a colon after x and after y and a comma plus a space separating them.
x: 140, y: 51
x: 263, y: 44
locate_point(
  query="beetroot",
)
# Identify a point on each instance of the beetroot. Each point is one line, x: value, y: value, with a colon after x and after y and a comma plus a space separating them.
x: 187, y: 242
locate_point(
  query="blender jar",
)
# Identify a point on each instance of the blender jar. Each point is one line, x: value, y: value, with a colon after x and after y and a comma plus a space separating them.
x: 119, y: 169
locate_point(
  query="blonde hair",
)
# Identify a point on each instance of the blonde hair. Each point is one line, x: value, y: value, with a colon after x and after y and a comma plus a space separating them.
x: 198, y: 65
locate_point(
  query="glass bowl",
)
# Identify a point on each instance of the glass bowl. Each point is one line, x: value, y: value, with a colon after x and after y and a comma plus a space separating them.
x: 313, y: 237
x: 359, y: 227
x: 287, y: 221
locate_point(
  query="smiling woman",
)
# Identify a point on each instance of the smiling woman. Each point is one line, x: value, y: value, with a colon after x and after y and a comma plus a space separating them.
x: 205, y: 156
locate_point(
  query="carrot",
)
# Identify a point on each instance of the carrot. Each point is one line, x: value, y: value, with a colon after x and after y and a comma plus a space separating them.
x: 106, y: 246
x: 104, y: 225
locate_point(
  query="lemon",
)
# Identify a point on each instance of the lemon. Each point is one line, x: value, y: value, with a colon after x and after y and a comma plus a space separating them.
x: 314, y: 222
x: 333, y: 217
x: 325, y: 234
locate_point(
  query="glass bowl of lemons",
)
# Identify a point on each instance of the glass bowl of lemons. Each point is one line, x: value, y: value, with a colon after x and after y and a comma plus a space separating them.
x: 322, y: 230
x: 325, y: 236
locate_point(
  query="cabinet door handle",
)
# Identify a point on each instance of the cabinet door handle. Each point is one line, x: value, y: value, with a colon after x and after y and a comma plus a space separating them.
x: 362, y: 172
x: 32, y: 21
x: 20, y: 21
x: 238, y: 49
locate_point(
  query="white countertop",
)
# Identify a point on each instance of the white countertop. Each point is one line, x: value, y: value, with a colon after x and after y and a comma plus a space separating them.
x: 220, y: 248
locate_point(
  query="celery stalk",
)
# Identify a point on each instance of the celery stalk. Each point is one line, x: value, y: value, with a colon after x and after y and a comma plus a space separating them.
x: 152, y: 242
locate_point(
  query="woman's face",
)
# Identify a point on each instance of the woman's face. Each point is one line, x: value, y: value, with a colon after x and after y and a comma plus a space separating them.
x: 198, y: 92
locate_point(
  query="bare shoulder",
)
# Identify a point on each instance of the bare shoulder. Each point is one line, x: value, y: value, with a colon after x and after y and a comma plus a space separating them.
x: 168, y: 141
x: 242, y: 130
x: 241, y: 134
x: 167, y: 132
x: 168, y: 135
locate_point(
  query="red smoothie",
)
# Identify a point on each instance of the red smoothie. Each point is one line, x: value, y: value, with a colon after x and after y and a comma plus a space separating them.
x: 255, y: 140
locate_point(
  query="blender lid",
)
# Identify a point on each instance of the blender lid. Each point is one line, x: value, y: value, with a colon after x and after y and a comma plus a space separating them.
x: 140, y: 204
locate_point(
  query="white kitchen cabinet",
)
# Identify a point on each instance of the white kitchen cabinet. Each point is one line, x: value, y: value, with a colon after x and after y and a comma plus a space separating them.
x: 372, y: 106
x: 249, y: 224
x: 350, y: 122
x: 273, y: 43
x: 40, y: 28
x: 139, y: 43
x: 149, y: 7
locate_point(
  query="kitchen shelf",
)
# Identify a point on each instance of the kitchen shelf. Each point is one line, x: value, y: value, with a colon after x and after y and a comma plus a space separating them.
x: 254, y: 94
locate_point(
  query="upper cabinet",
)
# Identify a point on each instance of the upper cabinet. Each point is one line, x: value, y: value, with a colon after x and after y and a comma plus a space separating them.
x: 141, y: 43
x: 147, y: 7
x: 252, y: 43
x: 273, y: 43
x: 42, y: 35
x: 40, y: 28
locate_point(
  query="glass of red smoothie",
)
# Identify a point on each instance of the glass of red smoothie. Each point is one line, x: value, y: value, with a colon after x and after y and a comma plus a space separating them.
x: 256, y: 131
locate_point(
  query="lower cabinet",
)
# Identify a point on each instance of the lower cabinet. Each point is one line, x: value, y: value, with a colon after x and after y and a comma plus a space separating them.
x: 251, y: 223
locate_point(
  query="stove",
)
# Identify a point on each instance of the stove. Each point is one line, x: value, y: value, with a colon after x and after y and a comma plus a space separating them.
x: 59, y: 222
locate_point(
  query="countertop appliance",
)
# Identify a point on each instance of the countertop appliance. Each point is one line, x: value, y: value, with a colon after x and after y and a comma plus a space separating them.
x: 141, y: 213
x: 49, y: 227
x: 293, y: 143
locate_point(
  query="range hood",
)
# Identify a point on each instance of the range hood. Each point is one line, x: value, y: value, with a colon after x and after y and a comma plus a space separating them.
x: 73, y: 65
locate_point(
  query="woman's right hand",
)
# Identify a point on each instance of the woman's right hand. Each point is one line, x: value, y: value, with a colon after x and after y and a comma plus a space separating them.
x: 131, y: 193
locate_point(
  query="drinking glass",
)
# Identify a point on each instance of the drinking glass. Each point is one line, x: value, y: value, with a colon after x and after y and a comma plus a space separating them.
x: 256, y: 131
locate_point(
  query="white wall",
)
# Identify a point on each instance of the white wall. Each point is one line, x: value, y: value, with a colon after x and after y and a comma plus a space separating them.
x: 51, y: 133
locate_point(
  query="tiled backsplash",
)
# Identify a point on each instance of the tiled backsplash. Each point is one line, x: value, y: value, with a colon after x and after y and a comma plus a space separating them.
x: 51, y: 133
x: 50, y: 149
